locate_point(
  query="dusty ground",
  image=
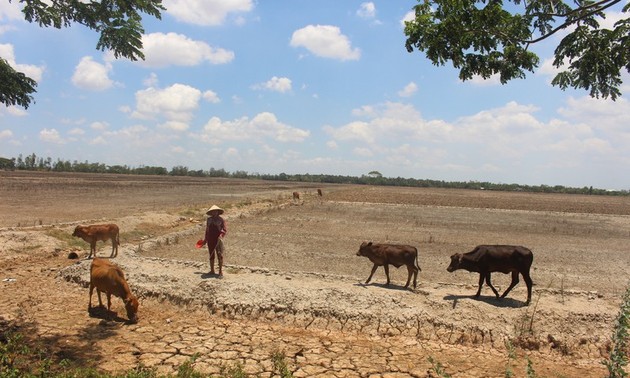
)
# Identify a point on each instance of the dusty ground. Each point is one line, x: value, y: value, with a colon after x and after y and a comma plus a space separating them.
x: 293, y: 281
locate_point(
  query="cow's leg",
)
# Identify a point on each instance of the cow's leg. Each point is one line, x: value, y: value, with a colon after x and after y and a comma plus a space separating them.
x: 109, y: 300
x: 372, y: 273
x: 91, y: 291
x: 92, y: 248
x: 529, y: 283
x: 415, y: 276
x: 496, y: 293
x: 482, y: 276
x: 98, y: 294
x: 514, y: 282
x: 410, y: 271
x: 386, y: 267
x: 114, y: 248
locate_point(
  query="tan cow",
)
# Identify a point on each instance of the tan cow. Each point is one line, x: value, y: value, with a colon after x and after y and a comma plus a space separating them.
x: 108, y: 278
x: 394, y: 254
x: 296, y: 196
x: 96, y: 232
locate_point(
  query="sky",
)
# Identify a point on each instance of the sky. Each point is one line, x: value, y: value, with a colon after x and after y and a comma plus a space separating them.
x: 303, y: 86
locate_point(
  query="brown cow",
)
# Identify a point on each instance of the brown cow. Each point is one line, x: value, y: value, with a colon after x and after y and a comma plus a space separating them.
x: 296, y: 195
x: 486, y: 259
x: 96, y: 232
x: 319, y: 192
x: 108, y: 278
x: 395, y: 254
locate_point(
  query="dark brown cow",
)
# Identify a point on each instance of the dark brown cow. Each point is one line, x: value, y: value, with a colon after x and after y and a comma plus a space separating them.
x: 486, y: 259
x: 394, y: 254
x: 296, y: 195
x: 96, y: 232
x: 108, y: 278
x: 319, y: 192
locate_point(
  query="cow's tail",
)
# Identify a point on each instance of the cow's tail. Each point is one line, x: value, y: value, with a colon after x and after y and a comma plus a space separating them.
x: 417, y: 263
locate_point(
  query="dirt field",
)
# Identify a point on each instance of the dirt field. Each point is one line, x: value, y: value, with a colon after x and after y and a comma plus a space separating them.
x: 293, y: 282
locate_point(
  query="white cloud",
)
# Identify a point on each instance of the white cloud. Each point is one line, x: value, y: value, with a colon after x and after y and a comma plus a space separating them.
x: 5, y: 134
x: 76, y: 131
x: 32, y: 71
x: 13, y: 110
x: 325, y: 41
x: 263, y: 125
x: 92, y: 75
x: 367, y: 10
x: 206, y: 12
x: 51, y: 136
x: 174, y: 125
x: 151, y: 81
x: 386, y: 123
x: 275, y: 84
x: 172, y: 49
x: 176, y: 103
x: 99, y: 126
x: 409, y: 90
x: 211, y: 97
x: 480, y: 81
x: 10, y: 11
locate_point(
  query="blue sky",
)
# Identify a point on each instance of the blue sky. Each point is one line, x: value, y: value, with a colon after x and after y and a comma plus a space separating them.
x: 296, y: 86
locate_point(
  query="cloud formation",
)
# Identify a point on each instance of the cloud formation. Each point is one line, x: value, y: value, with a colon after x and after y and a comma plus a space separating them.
x: 206, y: 12
x: 263, y: 126
x: 325, y: 41
x: 275, y: 84
x: 172, y: 49
x: 175, y: 104
x: 92, y: 75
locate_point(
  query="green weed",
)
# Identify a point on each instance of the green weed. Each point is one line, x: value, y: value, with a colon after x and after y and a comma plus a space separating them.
x: 618, y: 359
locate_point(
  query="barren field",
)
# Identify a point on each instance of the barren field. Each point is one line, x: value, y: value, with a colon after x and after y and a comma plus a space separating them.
x: 293, y: 282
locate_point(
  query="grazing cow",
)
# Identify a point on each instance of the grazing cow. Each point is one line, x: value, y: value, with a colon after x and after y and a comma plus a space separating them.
x: 319, y: 192
x: 394, y: 254
x: 486, y: 259
x: 96, y: 232
x: 296, y: 196
x: 108, y: 278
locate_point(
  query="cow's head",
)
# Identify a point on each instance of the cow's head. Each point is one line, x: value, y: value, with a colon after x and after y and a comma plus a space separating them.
x: 456, y: 261
x: 77, y: 229
x: 363, y: 249
x: 131, y: 305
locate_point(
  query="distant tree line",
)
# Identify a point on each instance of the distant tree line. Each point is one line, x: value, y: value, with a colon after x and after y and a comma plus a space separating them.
x: 34, y: 163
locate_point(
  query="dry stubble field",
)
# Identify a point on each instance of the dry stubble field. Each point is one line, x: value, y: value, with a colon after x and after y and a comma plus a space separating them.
x: 293, y: 275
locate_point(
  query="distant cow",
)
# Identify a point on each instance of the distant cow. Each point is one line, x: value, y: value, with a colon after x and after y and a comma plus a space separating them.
x: 394, y: 254
x: 319, y: 192
x: 96, y: 232
x: 486, y: 259
x: 296, y: 196
x: 108, y: 278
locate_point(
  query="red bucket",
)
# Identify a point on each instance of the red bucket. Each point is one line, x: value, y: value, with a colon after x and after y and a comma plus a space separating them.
x: 199, y: 243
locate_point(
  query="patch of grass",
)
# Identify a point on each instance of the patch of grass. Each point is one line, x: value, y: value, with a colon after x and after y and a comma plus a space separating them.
x: 618, y: 359
x: 280, y: 366
x: 66, y: 238
x: 438, y: 368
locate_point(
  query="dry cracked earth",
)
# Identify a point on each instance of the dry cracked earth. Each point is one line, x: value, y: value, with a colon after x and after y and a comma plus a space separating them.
x: 294, y: 285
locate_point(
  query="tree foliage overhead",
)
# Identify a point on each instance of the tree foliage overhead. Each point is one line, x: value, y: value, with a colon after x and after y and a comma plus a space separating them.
x: 119, y: 23
x: 488, y: 37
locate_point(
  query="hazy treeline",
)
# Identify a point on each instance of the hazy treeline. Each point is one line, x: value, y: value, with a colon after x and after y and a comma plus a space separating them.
x: 35, y: 163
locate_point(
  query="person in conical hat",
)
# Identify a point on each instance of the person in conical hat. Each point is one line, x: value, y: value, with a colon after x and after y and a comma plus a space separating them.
x: 215, y: 231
